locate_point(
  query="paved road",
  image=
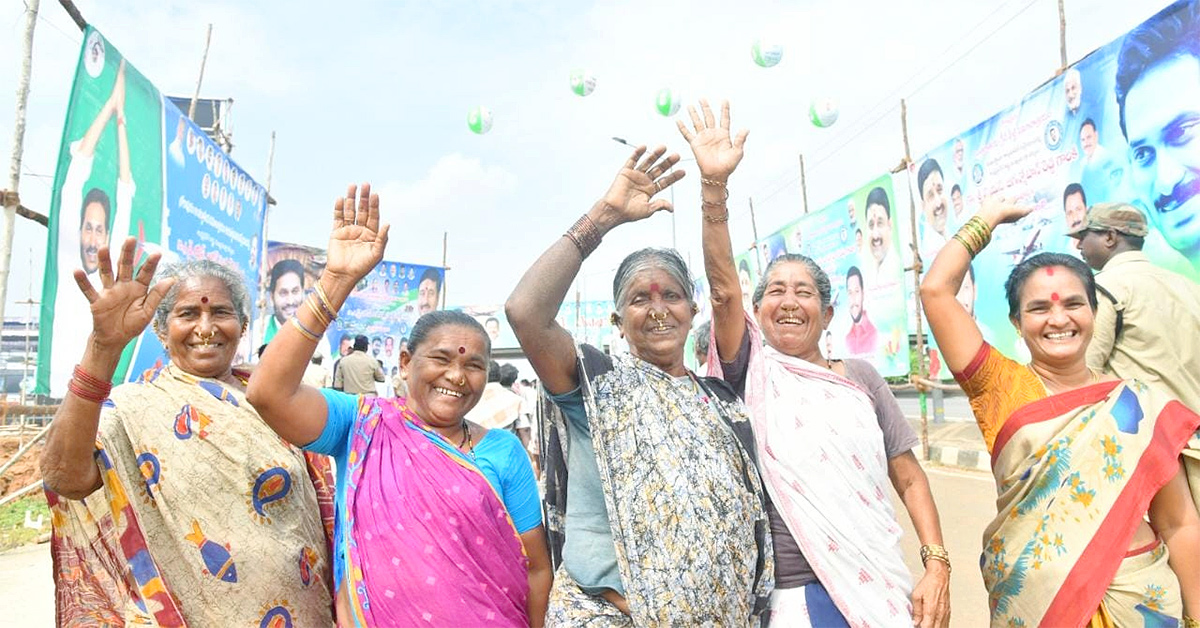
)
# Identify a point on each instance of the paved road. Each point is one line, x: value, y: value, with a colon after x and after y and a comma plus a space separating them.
x: 26, y: 590
x: 966, y: 501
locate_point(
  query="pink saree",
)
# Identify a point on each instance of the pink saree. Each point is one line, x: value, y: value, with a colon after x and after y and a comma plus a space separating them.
x: 428, y: 540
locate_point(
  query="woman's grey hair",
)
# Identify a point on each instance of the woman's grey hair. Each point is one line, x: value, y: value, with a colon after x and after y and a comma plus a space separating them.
x: 650, y: 258
x: 202, y: 269
x: 818, y: 274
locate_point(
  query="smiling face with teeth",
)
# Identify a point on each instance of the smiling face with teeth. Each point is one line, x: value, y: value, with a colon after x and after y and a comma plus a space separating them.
x: 656, y: 319
x: 446, y: 374
x: 791, y: 313
x: 203, y: 309
x: 1055, y: 318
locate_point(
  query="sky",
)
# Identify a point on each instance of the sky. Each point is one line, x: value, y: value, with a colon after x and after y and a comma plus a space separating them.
x: 379, y: 91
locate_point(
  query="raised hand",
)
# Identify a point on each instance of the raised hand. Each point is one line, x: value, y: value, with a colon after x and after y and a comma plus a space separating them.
x: 125, y: 304
x: 717, y: 154
x: 357, y: 242
x: 999, y: 210
x: 631, y: 193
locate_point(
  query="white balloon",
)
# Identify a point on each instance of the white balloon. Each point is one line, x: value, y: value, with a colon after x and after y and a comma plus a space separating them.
x: 823, y: 112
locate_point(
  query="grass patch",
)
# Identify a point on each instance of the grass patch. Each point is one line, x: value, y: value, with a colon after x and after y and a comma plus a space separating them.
x: 12, y: 516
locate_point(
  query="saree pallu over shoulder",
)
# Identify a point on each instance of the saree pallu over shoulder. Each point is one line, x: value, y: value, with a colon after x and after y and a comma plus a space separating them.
x: 427, y: 539
x: 1075, y: 474
x: 684, y: 498
x: 822, y: 457
x: 204, y: 516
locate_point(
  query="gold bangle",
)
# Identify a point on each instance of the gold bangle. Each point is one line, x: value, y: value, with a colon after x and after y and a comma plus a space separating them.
x: 330, y: 313
x: 304, y: 331
x: 720, y: 184
x: 935, y: 552
x: 724, y: 217
x: 1188, y: 622
x: 312, y: 307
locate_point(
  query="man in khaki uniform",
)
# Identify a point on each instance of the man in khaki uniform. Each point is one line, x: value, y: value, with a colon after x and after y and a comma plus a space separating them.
x: 358, y: 372
x: 1148, y: 318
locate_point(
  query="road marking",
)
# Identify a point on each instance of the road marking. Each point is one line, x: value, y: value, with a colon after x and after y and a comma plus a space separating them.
x: 975, y: 475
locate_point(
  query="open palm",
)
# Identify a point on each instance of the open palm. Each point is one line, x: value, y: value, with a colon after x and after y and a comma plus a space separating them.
x: 632, y: 191
x: 357, y: 242
x: 125, y: 304
x: 717, y: 153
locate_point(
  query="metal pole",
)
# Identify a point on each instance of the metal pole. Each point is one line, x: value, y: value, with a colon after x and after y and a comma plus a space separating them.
x: 803, y: 184
x: 672, y: 188
x: 922, y: 369
x: 203, y: 62
x: 1062, y: 34
x: 12, y: 200
x: 445, y: 249
x: 754, y: 230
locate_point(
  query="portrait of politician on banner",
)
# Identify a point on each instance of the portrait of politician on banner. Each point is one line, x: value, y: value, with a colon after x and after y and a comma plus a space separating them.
x: 1119, y: 125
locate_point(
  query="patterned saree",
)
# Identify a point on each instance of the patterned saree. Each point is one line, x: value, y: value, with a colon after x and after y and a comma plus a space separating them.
x: 205, y: 517
x: 1075, y: 474
x: 428, y: 541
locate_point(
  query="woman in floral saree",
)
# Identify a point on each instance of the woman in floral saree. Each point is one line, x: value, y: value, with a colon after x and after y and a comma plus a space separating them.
x: 660, y: 508
x: 438, y: 518
x: 1095, y: 524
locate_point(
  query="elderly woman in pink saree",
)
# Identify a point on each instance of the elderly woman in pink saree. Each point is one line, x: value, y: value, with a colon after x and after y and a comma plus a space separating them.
x: 438, y: 519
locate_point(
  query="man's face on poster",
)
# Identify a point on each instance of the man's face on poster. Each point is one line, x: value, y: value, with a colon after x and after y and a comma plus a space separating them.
x: 287, y: 296
x: 346, y: 347
x: 1073, y: 88
x: 93, y: 234
x: 854, y: 290
x: 933, y: 200
x: 960, y: 155
x: 879, y: 225
x: 493, y: 329
x: 1075, y: 210
x: 957, y: 200
x: 1162, y: 120
x: 427, y: 297
x: 1088, y: 140
x: 388, y: 345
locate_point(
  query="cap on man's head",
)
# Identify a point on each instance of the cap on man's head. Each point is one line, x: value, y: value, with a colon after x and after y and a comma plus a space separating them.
x: 1120, y: 217
x: 361, y: 343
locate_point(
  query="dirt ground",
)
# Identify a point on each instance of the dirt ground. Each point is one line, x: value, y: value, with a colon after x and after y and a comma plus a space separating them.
x: 25, y: 472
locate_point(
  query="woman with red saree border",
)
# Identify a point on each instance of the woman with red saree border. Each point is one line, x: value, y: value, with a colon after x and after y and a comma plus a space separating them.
x: 1095, y: 524
x: 438, y: 520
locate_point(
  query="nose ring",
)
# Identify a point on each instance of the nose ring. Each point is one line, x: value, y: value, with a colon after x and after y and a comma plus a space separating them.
x: 206, y: 338
x: 659, y: 317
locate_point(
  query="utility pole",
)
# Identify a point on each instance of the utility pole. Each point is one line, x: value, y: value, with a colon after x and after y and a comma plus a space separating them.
x: 1062, y: 34
x: 445, y: 268
x: 754, y: 229
x: 200, y: 79
x: 10, y: 197
x: 803, y: 184
x: 922, y: 369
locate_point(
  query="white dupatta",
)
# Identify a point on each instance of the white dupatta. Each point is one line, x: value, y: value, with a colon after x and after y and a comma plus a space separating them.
x: 822, y: 459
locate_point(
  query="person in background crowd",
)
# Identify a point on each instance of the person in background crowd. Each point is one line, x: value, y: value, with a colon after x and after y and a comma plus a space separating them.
x: 700, y: 337
x: 829, y: 434
x: 438, y: 519
x: 500, y: 408
x: 357, y: 373
x: 1147, y: 321
x: 1095, y: 522
x: 147, y: 482
x: 315, y: 374
x: 662, y: 505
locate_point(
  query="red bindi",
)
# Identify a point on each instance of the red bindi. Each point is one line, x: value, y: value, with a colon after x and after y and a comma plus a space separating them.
x: 1053, y: 296
x: 1050, y: 272
x: 462, y: 350
x: 204, y: 299
x: 654, y: 287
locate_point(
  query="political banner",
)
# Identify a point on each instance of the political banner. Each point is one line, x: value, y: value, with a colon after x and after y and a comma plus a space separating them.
x: 120, y: 174
x: 384, y: 305
x: 856, y: 241
x: 1116, y: 126
x: 588, y: 322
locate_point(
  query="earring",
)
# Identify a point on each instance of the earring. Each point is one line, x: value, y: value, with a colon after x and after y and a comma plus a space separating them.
x: 615, y: 320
